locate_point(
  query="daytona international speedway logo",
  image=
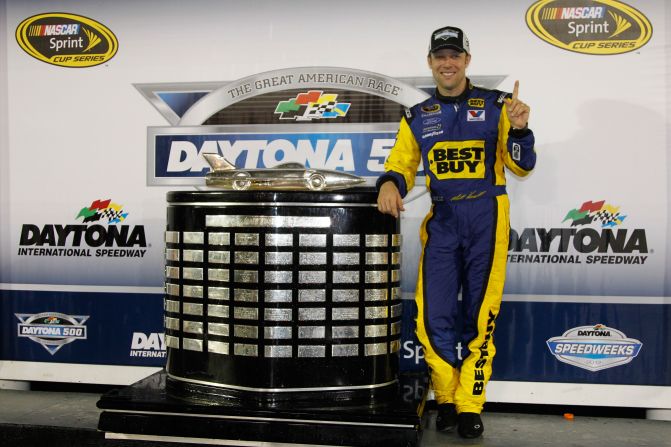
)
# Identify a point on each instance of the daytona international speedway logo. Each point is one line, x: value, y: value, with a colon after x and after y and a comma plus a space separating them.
x: 607, y: 215
x: 595, y: 235
x: 52, y: 330
x: 311, y: 105
x: 102, y: 232
x: 594, y: 347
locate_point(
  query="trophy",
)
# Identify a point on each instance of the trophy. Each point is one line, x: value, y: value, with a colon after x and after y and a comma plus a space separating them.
x: 282, y: 312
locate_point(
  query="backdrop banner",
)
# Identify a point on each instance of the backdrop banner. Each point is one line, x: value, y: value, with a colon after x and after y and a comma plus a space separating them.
x: 109, y: 107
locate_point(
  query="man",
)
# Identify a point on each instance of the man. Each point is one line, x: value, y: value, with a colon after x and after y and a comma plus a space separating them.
x: 464, y: 135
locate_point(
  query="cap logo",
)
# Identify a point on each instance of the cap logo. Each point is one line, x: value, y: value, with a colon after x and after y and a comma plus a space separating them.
x: 446, y: 34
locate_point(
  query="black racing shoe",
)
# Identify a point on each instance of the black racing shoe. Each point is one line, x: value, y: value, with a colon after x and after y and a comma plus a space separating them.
x: 447, y: 417
x: 470, y: 425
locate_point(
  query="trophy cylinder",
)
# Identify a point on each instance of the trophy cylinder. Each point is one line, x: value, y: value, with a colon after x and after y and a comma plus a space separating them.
x: 275, y: 295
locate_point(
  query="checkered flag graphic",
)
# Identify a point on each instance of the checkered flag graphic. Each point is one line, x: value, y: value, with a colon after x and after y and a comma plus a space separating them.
x: 603, y: 216
x: 606, y: 217
x: 316, y: 110
x: 111, y: 214
x: 327, y: 107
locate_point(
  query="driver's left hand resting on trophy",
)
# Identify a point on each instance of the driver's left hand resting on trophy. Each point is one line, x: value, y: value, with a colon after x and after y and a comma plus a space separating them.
x: 389, y: 199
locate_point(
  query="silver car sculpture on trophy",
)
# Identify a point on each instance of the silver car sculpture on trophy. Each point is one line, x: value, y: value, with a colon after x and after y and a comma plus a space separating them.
x: 286, y: 176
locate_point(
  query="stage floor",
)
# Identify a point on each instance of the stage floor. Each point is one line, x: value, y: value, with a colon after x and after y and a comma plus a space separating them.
x: 70, y: 418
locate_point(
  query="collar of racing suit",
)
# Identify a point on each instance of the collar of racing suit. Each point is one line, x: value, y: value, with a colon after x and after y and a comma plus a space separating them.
x: 459, y: 98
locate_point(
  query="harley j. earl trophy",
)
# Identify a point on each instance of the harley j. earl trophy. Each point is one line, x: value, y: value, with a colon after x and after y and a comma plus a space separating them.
x: 282, y: 317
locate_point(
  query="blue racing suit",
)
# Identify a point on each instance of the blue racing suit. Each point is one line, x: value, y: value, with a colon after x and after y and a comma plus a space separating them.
x: 464, y: 143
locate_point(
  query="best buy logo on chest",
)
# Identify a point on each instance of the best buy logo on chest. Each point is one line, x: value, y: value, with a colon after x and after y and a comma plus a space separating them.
x: 458, y: 159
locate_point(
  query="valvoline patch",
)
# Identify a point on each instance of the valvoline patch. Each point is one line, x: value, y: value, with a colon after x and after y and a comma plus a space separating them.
x: 475, y: 115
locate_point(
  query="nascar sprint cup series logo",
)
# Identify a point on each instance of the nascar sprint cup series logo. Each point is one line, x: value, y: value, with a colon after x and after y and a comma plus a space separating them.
x: 591, y: 27
x: 594, y: 347
x: 101, y: 233
x: 595, y: 235
x: 320, y: 117
x: 52, y: 330
x: 66, y: 40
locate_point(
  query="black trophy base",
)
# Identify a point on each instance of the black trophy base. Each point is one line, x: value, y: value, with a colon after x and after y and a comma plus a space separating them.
x: 145, y: 412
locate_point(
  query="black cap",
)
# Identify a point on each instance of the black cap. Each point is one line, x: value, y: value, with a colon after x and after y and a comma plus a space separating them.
x: 449, y: 37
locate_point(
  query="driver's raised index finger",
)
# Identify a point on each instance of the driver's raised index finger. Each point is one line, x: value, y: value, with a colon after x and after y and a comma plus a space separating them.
x: 516, y: 90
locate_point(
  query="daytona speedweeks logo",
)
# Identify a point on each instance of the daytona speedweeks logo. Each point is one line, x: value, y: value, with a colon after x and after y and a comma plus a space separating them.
x: 595, y: 236
x: 101, y: 234
x: 594, y: 347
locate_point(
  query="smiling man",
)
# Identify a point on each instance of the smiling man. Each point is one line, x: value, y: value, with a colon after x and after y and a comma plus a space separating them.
x: 464, y: 135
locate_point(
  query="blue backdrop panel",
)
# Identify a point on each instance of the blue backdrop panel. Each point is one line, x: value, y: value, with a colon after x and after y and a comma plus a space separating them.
x: 523, y: 354
x: 127, y: 329
x: 121, y: 328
